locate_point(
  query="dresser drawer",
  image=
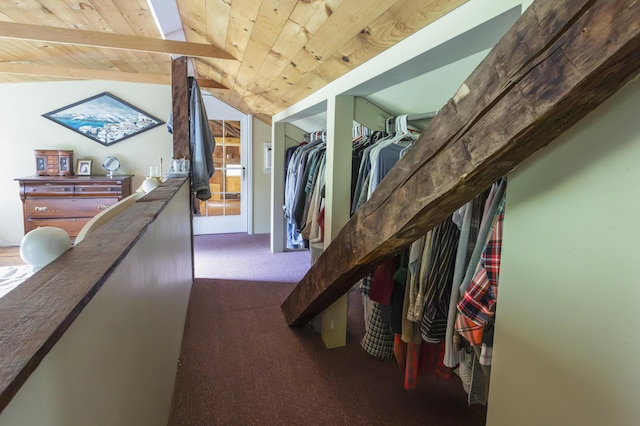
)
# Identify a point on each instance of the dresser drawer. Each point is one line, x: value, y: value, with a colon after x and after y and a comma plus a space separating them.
x: 68, y: 202
x: 71, y: 225
x: 44, y: 189
x: 102, y: 189
x: 66, y: 207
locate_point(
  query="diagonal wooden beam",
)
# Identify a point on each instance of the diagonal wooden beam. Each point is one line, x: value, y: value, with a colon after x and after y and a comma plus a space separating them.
x: 557, y: 63
x: 109, y: 40
x: 94, y: 74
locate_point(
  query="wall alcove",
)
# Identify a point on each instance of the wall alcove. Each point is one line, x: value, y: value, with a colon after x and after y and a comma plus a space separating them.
x: 418, y: 75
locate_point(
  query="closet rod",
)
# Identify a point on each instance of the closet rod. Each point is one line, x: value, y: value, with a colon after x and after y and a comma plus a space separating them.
x: 414, y: 117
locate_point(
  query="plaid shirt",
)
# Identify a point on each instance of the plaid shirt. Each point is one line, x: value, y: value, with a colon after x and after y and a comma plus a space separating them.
x: 477, y: 306
x: 378, y: 338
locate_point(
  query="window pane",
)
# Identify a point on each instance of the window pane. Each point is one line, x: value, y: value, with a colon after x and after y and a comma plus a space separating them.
x: 226, y: 182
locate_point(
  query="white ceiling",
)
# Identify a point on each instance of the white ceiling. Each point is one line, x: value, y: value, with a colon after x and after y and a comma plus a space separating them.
x: 427, y: 92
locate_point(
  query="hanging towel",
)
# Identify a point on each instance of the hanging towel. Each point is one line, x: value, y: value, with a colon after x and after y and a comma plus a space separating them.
x: 202, y: 144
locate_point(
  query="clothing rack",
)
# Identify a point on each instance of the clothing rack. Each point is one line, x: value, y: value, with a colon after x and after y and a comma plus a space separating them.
x: 423, y: 116
x: 318, y: 134
x: 390, y: 121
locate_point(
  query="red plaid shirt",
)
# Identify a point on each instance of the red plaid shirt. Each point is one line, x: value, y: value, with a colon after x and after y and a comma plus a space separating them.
x: 477, y: 306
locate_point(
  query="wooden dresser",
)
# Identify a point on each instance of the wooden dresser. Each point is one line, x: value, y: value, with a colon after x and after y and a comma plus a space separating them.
x: 68, y: 202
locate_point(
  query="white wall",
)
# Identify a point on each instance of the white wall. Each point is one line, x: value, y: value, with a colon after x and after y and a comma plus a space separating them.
x: 261, y: 180
x: 23, y: 130
x: 116, y: 364
x: 567, y: 341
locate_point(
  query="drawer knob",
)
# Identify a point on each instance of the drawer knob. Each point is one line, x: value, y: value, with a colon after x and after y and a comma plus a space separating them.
x: 102, y: 207
x: 41, y: 209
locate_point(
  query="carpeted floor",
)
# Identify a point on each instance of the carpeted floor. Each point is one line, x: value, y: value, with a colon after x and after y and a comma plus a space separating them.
x: 242, y: 365
x: 246, y: 257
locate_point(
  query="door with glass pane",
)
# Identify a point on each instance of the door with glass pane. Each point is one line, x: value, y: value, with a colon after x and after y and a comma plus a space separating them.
x: 225, y: 211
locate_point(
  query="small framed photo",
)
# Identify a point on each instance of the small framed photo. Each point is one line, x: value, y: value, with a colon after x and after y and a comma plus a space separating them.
x: 83, y: 167
x: 64, y: 164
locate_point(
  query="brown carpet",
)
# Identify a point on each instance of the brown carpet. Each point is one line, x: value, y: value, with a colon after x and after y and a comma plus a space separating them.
x: 242, y: 365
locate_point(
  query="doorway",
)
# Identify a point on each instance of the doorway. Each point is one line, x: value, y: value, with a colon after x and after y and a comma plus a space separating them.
x: 226, y: 184
x: 227, y: 209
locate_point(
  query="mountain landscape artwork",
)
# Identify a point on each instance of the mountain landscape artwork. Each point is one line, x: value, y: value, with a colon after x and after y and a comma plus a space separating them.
x: 104, y: 118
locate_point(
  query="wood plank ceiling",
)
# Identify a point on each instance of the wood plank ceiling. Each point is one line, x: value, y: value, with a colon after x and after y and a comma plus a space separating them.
x: 284, y: 50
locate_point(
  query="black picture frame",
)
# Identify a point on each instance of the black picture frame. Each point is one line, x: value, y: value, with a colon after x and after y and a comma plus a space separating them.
x: 64, y: 164
x: 41, y: 164
x: 104, y: 118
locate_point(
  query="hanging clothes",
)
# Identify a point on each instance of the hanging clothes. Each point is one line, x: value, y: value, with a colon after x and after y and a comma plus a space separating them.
x: 312, y: 171
x: 378, y: 158
x: 471, y: 216
x: 300, y: 174
x: 297, y: 175
x: 383, y: 157
x: 439, y: 278
x: 311, y: 228
x: 473, y: 317
x: 448, y: 285
x: 378, y: 338
x: 432, y: 296
x: 477, y: 305
x: 408, y: 342
x: 419, y: 256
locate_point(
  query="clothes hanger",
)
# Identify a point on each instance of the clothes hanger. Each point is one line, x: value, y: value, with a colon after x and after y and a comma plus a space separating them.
x: 360, y: 135
x: 402, y: 130
x: 387, y: 125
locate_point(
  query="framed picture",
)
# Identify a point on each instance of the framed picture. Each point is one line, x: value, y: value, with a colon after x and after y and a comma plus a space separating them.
x: 104, y: 118
x: 83, y: 167
x: 64, y: 165
x: 41, y: 164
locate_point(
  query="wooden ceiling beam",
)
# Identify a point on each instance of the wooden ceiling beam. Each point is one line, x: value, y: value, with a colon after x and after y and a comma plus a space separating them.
x: 554, y: 66
x: 81, y: 73
x: 109, y: 40
x: 210, y: 84
x: 95, y: 74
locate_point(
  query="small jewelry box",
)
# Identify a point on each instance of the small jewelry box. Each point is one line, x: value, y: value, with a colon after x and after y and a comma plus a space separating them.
x: 53, y: 162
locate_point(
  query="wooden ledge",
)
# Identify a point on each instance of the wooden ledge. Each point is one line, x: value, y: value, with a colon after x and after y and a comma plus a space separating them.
x: 37, y: 313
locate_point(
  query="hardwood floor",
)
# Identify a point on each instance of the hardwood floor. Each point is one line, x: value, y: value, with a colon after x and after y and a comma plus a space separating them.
x: 221, y: 207
x: 10, y: 256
